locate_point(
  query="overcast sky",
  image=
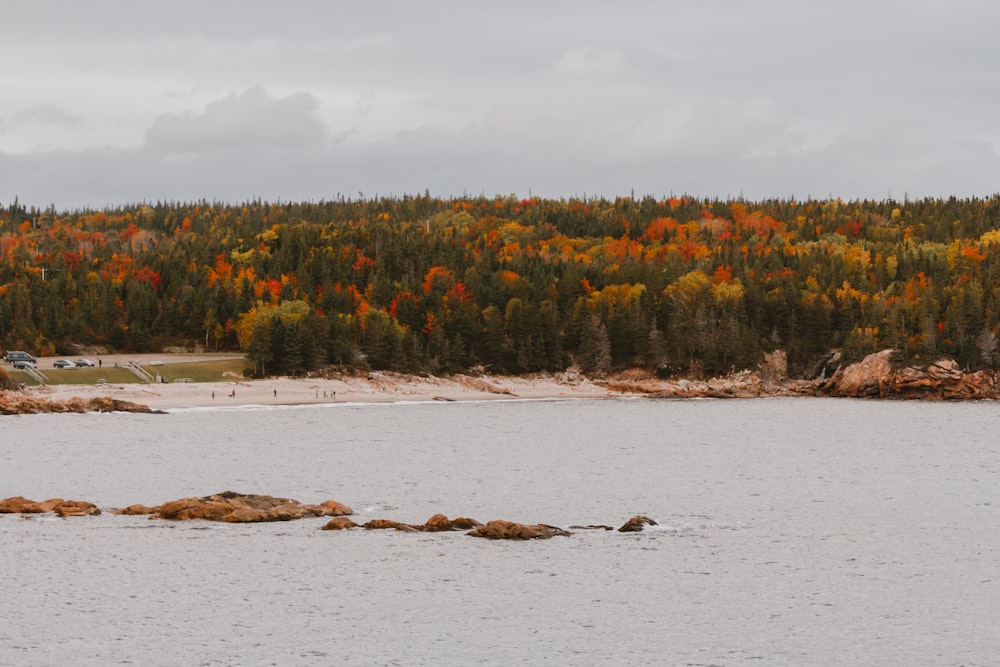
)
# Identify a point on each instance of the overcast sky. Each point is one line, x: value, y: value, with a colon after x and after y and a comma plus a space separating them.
x: 113, y: 102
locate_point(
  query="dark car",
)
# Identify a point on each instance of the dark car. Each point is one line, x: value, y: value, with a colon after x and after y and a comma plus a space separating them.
x: 63, y: 363
x: 84, y: 363
x: 22, y: 365
x: 16, y: 355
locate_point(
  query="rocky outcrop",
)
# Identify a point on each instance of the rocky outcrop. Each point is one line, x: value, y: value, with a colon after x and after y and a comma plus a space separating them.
x: 744, y: 384
x: 16, y: 403
x: 494, y: 530
x: 58, y: 506
x: 438, y: 523
x: 339, y: 523
x: 774, y: 370
x: 636, y: 524
x: 232, y: 507
x: 875, y: 377
x: 508, y: 530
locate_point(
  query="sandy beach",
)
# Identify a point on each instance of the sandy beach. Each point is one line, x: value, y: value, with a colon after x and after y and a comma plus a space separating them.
x: 372, y: 387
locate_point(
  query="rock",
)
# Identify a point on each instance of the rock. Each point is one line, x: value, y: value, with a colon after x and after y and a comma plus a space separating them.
x: 280, y: 513
x: 600, y: 526
x: 18, y: 505
x: 509, y: 530
x: 774, y: 370
x: 867, y: 378
x: 387, y: 524
x: 339, y: 523
x: 874, y: 377
x: 21, y: 505
x: 51, y: 504
x: 17, y: 403
x: 636, y: 524
x: 76, y: 508
x: 440, y: 523
x: 333, y: 508
x: 133, y: 510
x: 437, y: 523
x: 194, y: 508
x: 232, y: 507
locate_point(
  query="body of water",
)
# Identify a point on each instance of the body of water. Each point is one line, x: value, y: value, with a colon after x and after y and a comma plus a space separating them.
x: 792, y: 532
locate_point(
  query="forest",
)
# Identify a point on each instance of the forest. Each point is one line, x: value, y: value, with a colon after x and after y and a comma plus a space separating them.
x: 680, y: 286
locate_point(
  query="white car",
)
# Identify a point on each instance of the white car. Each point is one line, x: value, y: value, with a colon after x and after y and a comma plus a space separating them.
x: 84, y: 363
x: 63, y: 363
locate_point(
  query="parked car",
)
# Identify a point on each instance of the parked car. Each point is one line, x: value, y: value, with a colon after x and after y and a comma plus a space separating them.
x: 15, y: 355
x: 23, y: 365
x: 63, y: 363
x: 84, y: 363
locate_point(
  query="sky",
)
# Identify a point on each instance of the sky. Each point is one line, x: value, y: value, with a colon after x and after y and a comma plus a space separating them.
x: 106, y: 102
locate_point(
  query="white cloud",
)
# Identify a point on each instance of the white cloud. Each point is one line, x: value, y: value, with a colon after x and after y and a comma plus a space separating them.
x: 46, y: 114
x: 590, y: 61
x: 245, y: 122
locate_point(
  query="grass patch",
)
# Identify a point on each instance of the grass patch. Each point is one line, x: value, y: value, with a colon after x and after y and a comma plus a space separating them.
x: 194, y: 371
x: 200, y: 371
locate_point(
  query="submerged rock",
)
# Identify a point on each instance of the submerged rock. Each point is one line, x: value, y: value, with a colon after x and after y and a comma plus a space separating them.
x: 388, y: 524
x: 509, y: 530
x: 137, y: 509
x: 636, y: 524
x: 436, y: 524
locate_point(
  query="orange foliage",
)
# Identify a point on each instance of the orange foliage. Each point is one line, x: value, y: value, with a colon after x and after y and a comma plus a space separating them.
x: 972, y: 253
x: 438, y: 276
x: 363, y: 263
x: 723, y: 274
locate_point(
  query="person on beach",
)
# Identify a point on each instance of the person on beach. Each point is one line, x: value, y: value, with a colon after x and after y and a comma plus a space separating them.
x: 276, y: 393
x: 213, y: 395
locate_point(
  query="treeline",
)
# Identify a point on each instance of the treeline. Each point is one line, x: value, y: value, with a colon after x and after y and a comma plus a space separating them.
x: 422, y: 284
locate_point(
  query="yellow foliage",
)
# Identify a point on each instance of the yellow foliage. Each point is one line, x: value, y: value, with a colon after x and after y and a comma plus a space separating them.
x: 990, y: 238
x: 728, y: 294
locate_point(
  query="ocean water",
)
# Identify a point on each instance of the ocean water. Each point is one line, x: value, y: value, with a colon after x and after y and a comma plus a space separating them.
x: 792, y: 532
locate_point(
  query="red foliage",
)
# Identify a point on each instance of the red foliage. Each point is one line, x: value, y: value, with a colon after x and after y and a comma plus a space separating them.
x: 149, y: 276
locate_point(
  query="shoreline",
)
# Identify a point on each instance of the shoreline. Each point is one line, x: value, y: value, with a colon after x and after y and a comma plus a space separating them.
x: 874, y: 377
x: 291, y: 392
